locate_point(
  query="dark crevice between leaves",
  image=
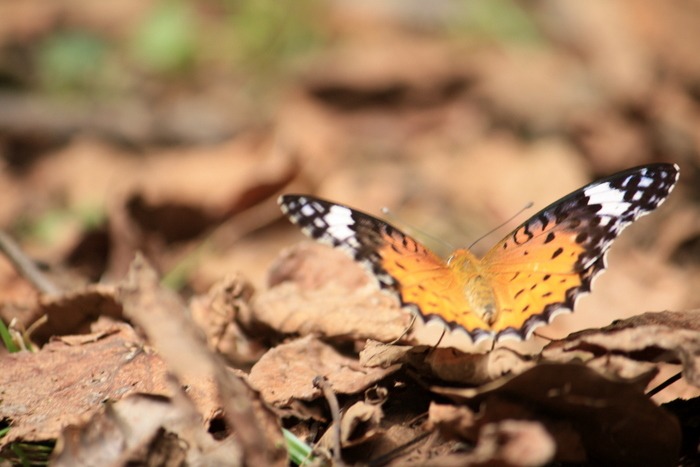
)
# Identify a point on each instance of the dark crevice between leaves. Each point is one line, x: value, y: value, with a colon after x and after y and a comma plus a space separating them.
x: 218, y: 428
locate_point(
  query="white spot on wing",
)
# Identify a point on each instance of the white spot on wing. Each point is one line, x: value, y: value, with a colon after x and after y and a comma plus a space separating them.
x: 646, y: 181
x: 339, y: 219
x: 611, y: 199
x: 307, y: 210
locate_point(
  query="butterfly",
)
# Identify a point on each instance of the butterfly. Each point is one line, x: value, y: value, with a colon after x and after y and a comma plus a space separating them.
x: 533, y: 274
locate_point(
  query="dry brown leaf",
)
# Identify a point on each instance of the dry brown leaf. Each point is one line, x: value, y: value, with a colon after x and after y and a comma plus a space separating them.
x: 74, y: 312
x: 287, y: 371
x: 359, y: 424
x: 218, y: 314
x: 165, y: 321
x: 45, y: 391
x: 331, y: 311
x: 312, y: 265
x: 614, y: 422
x: 448, y: 364
x: 649, y: 337
x: 457, y: 367
x: 147, y: 430
x: 319, y: 290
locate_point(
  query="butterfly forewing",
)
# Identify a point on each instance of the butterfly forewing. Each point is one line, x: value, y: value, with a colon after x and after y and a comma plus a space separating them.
x: 542, y: 266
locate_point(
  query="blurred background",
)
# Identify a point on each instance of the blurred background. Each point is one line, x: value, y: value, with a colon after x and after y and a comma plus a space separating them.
x: 170, y: 127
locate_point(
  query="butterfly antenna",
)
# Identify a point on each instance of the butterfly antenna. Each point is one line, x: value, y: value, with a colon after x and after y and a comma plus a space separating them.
x: 502, y: 224
x: 387, y: 212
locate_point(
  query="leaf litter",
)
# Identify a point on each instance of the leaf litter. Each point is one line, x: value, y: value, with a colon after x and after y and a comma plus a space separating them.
x: 263, y: 336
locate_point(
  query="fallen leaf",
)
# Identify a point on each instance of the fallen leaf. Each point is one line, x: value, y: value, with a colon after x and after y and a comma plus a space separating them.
x: 73, y: 312
x: 286, y: 372
x: 164, y: 319
x: 649, y: 337
x: 218, y: 314
x: 45, y: 391
x: 613, y: 420
x: 147, y: 430
x: 448, y: 364
x: 319, y: 290
x: 311, y: 266
x: 331, y: 311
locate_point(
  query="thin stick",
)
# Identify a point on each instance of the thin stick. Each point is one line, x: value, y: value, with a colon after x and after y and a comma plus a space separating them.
x: 322, y: 383
x: 25, y: 266
x: 664, y: 385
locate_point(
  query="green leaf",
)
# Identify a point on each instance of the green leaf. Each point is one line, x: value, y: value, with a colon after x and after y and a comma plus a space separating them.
x: 299, y: 452
x: 10, y: 344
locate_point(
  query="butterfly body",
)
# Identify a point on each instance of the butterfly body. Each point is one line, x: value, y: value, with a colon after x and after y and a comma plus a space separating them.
x: 534, y: 273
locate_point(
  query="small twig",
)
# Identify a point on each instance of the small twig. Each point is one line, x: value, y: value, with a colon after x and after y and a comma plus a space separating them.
x: 322, y: 383
x: 25, y: 266
x: 664, y: 385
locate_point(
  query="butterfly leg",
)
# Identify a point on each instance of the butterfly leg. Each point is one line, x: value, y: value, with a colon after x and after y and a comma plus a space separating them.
x: 405, y: 331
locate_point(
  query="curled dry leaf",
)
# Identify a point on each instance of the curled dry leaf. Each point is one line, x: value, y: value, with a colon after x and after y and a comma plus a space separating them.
x: 146, y: 430
x: 359, y: 423
x: 650, y: 337
x: 448, y: 364
x: 73, y: 312
x: 218, y: 314
x: 45, y: 391
x: 286, y: 372
x: 168, y: 327
x: 612, y: 420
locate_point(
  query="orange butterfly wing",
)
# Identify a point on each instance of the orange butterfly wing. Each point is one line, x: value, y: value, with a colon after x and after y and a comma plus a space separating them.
x: 429, y: 285
x: 541, y: 268
x: 417, y: 277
